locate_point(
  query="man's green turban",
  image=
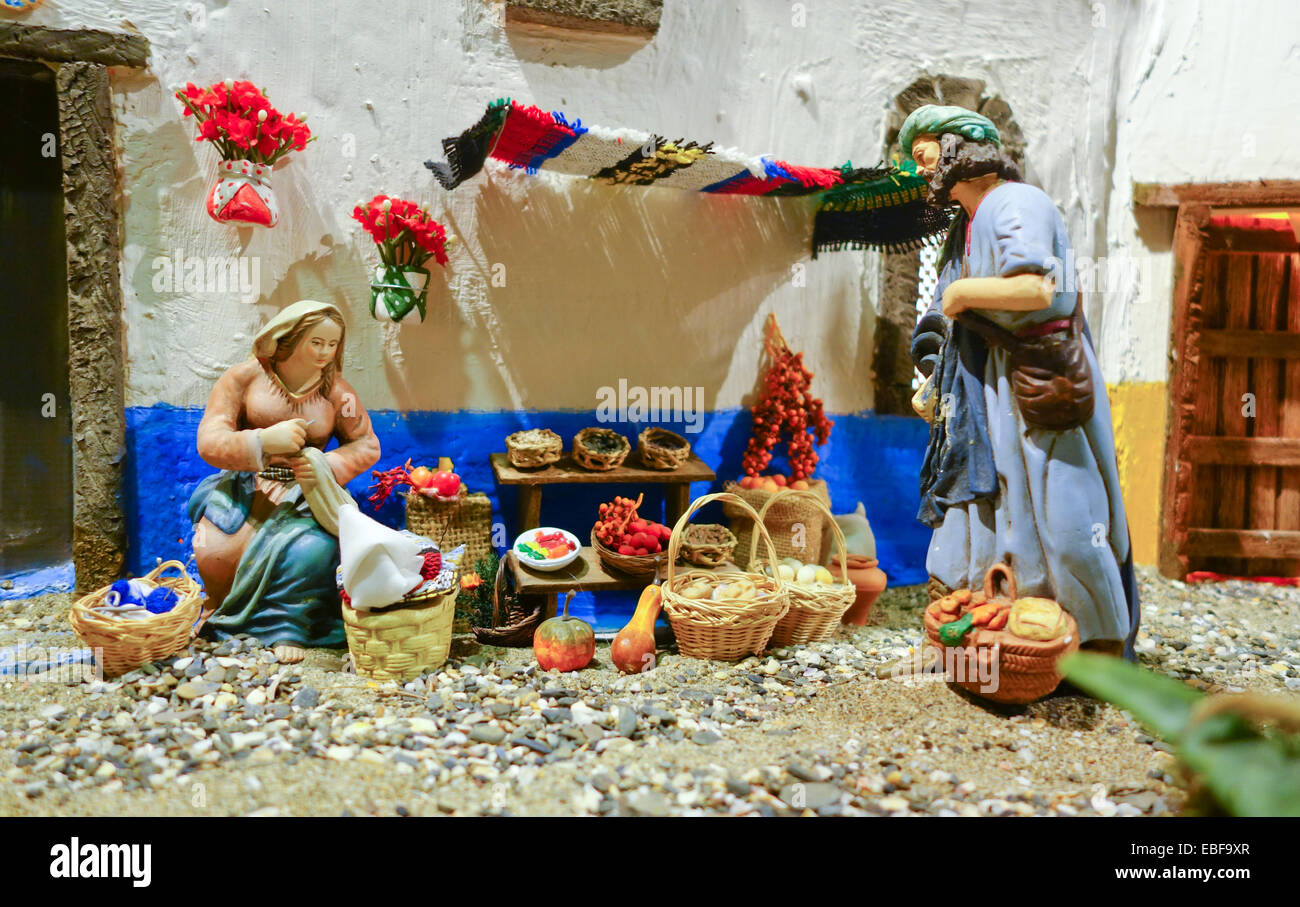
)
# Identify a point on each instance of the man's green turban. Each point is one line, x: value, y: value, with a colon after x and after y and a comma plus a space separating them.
x: 936, y: 120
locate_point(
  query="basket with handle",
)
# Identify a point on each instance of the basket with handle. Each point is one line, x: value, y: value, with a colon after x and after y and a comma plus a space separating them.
x: 781, y: 521
x: 126, y: 643
x: 722, y: 630
x: 815, y: 611
x: 1020, y: 670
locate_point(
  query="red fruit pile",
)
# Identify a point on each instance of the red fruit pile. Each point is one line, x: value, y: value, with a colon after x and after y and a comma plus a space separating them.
x: 620, y: 529
x: 786, y: 403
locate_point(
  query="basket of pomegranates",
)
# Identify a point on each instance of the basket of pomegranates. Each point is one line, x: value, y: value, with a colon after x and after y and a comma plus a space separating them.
x: 998, y: 646
x: 627, y: 543
x: 439, y: 507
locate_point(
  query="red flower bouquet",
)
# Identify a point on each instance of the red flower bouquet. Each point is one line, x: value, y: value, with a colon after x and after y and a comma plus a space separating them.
x: 407, y: 237
x: 251, y: 136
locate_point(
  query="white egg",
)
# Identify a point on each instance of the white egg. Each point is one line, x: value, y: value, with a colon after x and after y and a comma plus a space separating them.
x: 806, y: 575
x: 786, y: 572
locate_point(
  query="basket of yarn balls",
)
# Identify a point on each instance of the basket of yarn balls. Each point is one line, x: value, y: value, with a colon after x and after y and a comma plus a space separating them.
x: 130, y: 623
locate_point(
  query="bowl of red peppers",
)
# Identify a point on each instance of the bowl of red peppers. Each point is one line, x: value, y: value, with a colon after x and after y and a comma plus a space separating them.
x: 547, y: 548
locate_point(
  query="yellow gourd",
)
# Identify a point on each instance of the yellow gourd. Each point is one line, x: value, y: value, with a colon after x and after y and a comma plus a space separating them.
x: 633, y: 649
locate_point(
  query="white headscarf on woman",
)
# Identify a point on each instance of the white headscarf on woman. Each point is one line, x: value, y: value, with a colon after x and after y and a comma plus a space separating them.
x: 284, y: 321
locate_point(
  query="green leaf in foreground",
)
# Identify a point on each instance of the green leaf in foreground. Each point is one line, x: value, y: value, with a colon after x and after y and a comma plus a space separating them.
x: 1245, y: 771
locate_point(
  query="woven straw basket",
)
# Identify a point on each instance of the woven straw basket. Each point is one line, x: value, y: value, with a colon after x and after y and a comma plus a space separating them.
x: 781, y: 521
x: 726, y: 631
x: 1026, y: 668
x: 533, y: 448
x: 707, y: 554
x: 401, y: 643
x: 465, y: 521
x: 595, y: 460
x: 814, y: 612
x: 126, y: 643
x: 660, y: 448
x: 644, y: 566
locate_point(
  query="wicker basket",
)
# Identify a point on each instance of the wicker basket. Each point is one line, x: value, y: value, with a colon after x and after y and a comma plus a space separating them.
x: 402, y: 642
x: 644, y: 566
x: 781, y: 521
x: 1025, y: 669
x: 595, y: 460
x: 465, y: 521
x: 726, y: 631
x: 533, y: 447
x: 126, y: 643
x: 707, y: 554
x: 660, y: 448
x: 814, y: 612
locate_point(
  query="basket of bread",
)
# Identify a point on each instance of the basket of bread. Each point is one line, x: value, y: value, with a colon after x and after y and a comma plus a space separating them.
x: 724, y: 614
x: 997, y: 645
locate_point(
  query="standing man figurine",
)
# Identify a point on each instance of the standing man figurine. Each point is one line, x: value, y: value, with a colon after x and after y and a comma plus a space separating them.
x: 1021, y: 463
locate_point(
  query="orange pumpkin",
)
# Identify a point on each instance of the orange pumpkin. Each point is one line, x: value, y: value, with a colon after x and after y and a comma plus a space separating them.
x: 633, y: 649
x: 564, y: 643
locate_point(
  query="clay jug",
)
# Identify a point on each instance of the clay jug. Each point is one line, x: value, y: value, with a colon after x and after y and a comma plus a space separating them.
x: 868, y: 579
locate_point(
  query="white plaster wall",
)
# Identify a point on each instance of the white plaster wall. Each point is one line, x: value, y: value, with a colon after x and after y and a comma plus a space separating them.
x: 1208, y: 93
x: 652, y: 285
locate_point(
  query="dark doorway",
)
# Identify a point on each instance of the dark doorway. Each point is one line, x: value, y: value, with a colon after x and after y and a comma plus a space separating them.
x: 35, y: 411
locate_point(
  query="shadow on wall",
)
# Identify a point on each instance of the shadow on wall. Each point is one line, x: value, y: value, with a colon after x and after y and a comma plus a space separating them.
x: 585, y: 284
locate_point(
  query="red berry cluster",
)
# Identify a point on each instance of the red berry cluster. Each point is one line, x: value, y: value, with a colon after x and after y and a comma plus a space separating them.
x: 621, y: 530
x: 786, y: 403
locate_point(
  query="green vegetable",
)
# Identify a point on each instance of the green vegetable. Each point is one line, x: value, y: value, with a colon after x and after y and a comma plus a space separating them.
x: 533, y: 551
x: 952, y: 633
x: 1243, y: 770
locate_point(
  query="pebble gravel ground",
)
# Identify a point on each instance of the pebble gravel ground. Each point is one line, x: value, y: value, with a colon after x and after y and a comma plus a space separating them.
x: 224, y: 729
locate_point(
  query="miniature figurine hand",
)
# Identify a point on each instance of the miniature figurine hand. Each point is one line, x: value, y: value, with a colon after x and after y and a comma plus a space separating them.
x: 285, y: 437
x: 303, y: 472
x: 954, y: 301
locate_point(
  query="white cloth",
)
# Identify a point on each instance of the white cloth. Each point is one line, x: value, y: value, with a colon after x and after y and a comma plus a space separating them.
x: 379, y: 565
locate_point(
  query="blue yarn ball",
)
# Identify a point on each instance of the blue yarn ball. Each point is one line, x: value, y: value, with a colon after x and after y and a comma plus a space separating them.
x: 160, y: 600
x: 123, y: 589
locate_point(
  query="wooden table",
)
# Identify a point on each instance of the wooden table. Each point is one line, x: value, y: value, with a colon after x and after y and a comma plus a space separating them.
x: 567, y: 472
x: 585, y: 574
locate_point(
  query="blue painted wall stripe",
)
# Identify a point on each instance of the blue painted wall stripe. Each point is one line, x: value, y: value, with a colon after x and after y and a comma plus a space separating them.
x: 870, y: 458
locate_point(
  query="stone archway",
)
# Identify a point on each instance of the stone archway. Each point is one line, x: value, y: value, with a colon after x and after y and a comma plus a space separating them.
x: 899, y: 273
x: 81, y: 59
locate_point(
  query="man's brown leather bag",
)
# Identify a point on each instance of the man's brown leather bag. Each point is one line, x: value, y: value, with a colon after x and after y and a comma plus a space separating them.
x: 1049, y: 370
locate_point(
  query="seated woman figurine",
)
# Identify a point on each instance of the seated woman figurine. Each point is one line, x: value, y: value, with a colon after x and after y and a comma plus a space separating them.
x: 267, y: 565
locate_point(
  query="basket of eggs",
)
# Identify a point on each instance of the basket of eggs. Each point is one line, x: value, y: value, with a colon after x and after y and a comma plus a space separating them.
x: 1005, y: 648
x: 723, y: 615
x: 817, y: 599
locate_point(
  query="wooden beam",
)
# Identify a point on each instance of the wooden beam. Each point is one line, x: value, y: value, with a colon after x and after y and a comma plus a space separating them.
x: 1241, y: 543
x: 96, y: 369
x: 59, y: 45
x: 1235, y: 239
x: 1175, y: 195
x: 1242, y: 451
x: 1176, y: 497
x: 1251, y: 344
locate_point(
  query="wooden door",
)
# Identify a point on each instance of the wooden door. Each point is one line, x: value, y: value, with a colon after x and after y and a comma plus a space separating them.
x: 1234, y: 452
x: 35, y: 418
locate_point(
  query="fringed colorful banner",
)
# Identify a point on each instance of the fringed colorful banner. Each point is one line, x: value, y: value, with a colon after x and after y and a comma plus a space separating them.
x: 878, y: 208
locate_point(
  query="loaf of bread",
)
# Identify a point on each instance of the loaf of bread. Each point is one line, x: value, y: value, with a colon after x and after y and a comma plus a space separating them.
x: 1037, y: 618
